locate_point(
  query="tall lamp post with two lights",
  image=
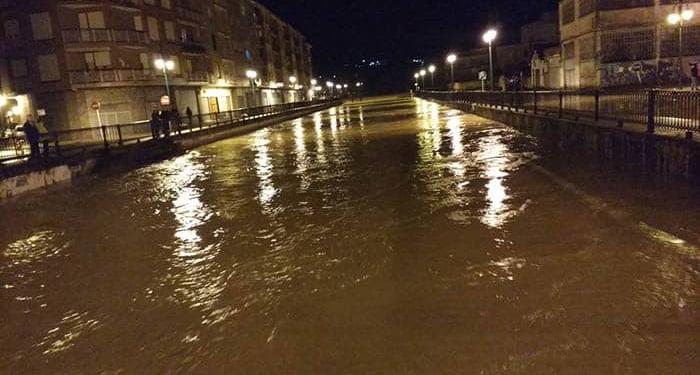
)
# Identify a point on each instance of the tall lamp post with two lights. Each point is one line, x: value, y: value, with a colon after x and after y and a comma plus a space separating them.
x: 678, y: 18
x: 165, y: 65
x: 489, y: 36
x: 252, y: 75
x: 451, y: 59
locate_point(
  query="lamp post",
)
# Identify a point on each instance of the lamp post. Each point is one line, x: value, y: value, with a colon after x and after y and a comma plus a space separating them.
x: 489, y: 36
x: 422, y: 77
x: 431, y: 69
x: 252, y: 75
x: 415, y: 77
x: 451, y: 59
x: 678, y: 18
x: 330, y: 86
x: 165, y: 65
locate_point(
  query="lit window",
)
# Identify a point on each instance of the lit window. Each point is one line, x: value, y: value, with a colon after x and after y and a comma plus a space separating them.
x: 165, y: 4
x: 91, y: 20
x: 138, y: 23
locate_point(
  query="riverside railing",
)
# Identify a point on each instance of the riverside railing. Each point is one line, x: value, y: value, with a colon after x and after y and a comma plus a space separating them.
x: 14, y: 147
x: 679, y: 110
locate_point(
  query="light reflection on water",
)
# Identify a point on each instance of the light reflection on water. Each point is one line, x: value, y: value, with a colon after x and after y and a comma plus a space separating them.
x: 393, y: 236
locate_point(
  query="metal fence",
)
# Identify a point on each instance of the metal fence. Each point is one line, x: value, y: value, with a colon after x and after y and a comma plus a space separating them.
x: 679, y: 110
x: 15, y: 148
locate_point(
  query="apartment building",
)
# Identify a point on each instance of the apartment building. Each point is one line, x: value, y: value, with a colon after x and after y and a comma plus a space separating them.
x: 626, y: 42
x: 63, y: 59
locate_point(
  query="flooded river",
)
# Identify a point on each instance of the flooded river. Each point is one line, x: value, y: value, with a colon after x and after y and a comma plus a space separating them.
x: 390, y: 236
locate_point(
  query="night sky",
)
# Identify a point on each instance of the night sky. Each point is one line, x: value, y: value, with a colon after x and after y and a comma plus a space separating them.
x: 344, y: 32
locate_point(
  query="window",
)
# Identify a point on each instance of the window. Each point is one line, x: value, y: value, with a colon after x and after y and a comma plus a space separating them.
x: 48, y: 68
x: 169, y: 30
x: 586, y: 7
x: 41, y: 26
x: 165, y: 4
x: 153, y: 28
x: 143, y: 57
x: 587, y: 48
x: 91, y: 20
x: 138, y: 23
x: 567, y: 12
x: 627, y: 45
x: 623, y: 4
x: 97, y: 60
x: 19, y: 68
x: 183, y: 35
x: 11, y: 29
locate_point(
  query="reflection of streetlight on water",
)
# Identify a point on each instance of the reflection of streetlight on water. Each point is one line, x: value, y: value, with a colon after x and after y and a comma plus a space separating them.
x: 165, y: 65
x: 678, y: 18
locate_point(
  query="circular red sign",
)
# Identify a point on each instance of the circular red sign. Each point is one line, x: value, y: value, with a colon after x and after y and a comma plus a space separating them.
x: 164, y: 100
x: 95, y: 105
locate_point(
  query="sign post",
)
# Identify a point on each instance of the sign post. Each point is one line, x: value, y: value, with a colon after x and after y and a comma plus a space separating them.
x: 483, y: 76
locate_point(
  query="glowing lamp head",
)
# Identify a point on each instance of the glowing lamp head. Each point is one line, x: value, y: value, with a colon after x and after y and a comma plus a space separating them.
x: 163, y: 64
x: 489, y: 36
x: 431, y: 69
x: 292, y: 79
x: 451, y: 58
x: 314, y: 82
x: 251, y: 74
x: 329, y: 84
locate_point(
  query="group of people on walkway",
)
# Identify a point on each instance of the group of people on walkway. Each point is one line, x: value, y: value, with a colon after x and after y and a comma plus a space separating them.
x: 162, y: 121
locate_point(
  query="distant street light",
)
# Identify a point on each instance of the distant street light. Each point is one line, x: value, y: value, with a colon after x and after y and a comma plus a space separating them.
x: 451, y: 59
x: 489, y: 36
x: 416, y: 76
x: 422, y: 77
x: 330, y: 86
x: 431, y: 69
x: 293, y: 81
x: 678, y: 18
x: 165, y: 66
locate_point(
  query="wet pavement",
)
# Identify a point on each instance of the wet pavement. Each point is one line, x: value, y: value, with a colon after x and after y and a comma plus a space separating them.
x: 389, y: 236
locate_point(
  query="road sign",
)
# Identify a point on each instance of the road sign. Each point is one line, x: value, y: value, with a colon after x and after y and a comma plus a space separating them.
x: 95, y: 106
x: 164, y: 100
x: 483, y: 75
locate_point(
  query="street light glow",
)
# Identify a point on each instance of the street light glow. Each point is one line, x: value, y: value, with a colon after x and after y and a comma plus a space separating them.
x: 451, y: 58
x: 251, y: 74
x: 422, y: 72
x: 489, y: 36
x: 431, y: 69
x: 292, y: 80
x: 329, y: 84
x: 162, y: 64
x: 314, y: 82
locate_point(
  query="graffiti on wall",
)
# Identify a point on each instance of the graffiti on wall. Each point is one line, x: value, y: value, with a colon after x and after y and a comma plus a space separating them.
x: 640, y: 73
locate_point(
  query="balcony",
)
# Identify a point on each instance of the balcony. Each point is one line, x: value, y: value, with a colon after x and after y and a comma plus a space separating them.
x: 109, y: 76
x: 103, y: 36
x: 197, y: 76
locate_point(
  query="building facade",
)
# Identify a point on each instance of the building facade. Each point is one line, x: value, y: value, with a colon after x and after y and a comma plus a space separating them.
x: 59, y: 58
x: 626, y: 42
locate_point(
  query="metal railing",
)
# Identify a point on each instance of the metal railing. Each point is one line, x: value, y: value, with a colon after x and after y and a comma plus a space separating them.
x: 679, y: 110
x: 103, y: 35
x: 65, y: 142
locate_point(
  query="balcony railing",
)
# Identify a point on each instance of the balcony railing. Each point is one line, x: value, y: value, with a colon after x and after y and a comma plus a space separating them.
x: 106, y: 76
x: 197, y: 76
x: 103, y: 36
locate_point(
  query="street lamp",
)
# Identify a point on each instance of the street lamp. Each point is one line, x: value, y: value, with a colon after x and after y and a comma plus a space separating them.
x: 165, y: 65
x: 431, y: 69
x: 293, y: 81
x: 489, y: 36
x: 678, y: 18
x: 451, y: 59
x: 416, y: 76
x: 330, y: 86
x: 422, y: 77
x: 252, y: 75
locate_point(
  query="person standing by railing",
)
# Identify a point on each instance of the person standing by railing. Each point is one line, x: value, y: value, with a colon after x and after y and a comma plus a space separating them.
x: 188, y: 112
x: 32, y: 134
x: 155, y: 124
x: 693, y: 76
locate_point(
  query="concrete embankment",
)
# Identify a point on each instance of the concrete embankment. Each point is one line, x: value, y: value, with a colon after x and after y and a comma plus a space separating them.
x: 663, y: 154
x: 43, y: 173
